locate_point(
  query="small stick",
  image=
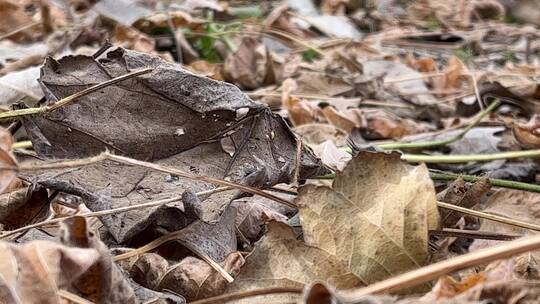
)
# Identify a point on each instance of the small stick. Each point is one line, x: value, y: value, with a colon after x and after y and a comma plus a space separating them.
x: 247, y: 294
x: 473, y: 234
x: 69, y: 99
x: 489, y: 216
x: 434, y: 271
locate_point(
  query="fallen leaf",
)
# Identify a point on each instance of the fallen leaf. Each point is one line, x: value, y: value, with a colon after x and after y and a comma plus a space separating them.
x: 379, y: 195
x: 280, y: 260
x: 195, y: 279
x: 460, y: 194
x: 7, y: 177
x: 13, y: 17
x: 447, y: 288
x: 317, y: 133
x: 103, y: 282
x: 23, y: 206
x: 528, y: 134
x: 252, y: 216
x: 246, y: 67
x: 331, y: 155
x: 33, y: 272
x: 454, y: 75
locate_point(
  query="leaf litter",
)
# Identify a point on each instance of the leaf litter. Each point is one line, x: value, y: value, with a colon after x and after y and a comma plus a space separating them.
x: 213, y: 152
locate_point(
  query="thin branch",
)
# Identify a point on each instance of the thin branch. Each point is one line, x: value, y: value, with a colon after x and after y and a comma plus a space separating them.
x: 247, y: 294
x: 157, y: 203
x: 69, y: 99
x: 434, y: 271
x: 473, y: 234
x: 489, y: 216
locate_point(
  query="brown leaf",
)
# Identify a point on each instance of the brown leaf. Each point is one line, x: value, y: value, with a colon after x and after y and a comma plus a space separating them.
x: 447, y: 287
x: 6, y: 159
x: 280, y: 260
x: 148, y: 269
x: 347, y: 121
x: 103, y: 282
x: 247, y: 66
x: 33, y: 272
x: 251, y: 217
x: 463, y: 195
x: 195, y: 279
x: 23, y: 206
x: 528, y: 134
x: 317, y: 133
x: 331, y: 155
x: 454, y: 74
x: 378, y: 195
x: 13, y: 17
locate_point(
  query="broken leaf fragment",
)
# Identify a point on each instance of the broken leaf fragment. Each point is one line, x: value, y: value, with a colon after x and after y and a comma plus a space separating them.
x: 376, y: 217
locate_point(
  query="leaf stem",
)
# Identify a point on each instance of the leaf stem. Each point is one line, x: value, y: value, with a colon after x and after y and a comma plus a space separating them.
x: 461, y: 158
x: 503, y: 183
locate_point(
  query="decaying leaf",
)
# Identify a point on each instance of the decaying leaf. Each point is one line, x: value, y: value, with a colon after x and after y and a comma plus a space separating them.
x: 33, y: 272
x: 195, y: 279
x: 379, y: 196
x: 528, y: 134
x: 460, y: 194
x: 23, y: 206
x: 6, y: 159
x: 103, y: 282
x: 280, y: 260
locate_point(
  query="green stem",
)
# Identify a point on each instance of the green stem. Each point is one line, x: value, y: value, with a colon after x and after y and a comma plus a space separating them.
x: 438, y: 143
x: 459, y: 158
x: 494, y: 181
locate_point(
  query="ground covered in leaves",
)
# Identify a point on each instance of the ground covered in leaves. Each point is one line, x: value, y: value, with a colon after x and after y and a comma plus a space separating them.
x: 331, y: 151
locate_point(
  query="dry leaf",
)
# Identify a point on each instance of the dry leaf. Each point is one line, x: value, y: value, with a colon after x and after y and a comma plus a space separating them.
x: 528, y: 134
x: 331, y: 155
x: 280, y: 260
x: 6, y: 159
x: 103, y: 282
x: 23, y: 206
x: 463, y: 195
x: 379, y: 196
x: 447, y: 287
x: 251, y: 218
x: 453, y: 76
x: 347, y: 120
x: 13, y: 17
x: 195, y: 279
x: 33, y: 272
x: 317, y: 133
x: 247, y: 66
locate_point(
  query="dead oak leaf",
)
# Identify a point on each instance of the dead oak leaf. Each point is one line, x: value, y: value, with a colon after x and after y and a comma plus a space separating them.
x: 375, y: 218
